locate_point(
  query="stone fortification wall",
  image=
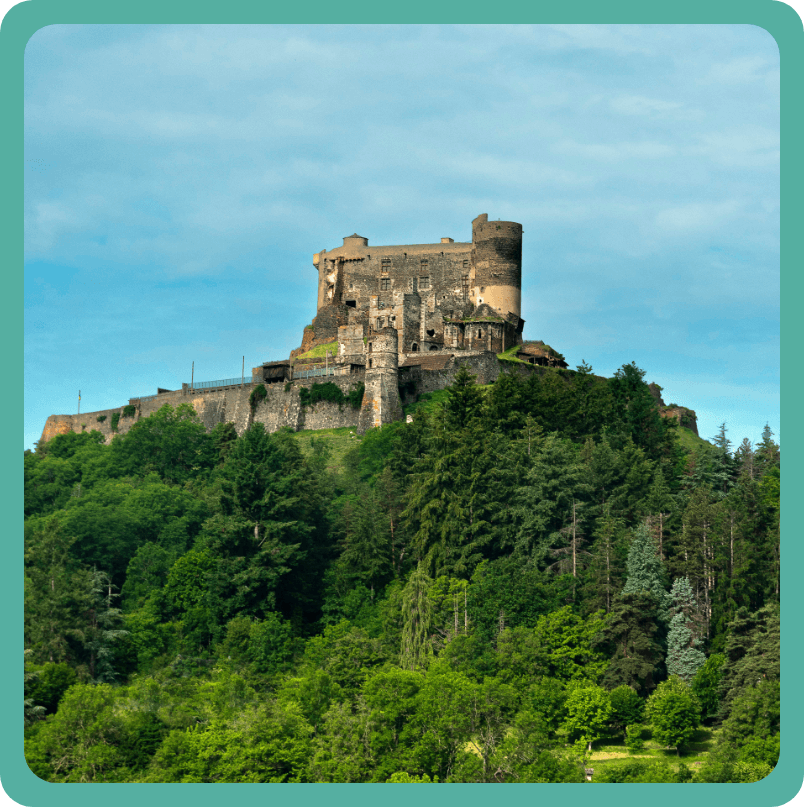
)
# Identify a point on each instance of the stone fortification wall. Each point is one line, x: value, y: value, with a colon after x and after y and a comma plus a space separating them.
x: 279, y: 409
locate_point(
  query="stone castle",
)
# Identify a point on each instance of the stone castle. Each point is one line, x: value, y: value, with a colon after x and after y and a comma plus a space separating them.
x: 397, y: 321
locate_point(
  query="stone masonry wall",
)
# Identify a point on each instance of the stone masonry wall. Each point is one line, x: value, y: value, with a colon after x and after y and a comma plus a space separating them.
x: 230, y: 404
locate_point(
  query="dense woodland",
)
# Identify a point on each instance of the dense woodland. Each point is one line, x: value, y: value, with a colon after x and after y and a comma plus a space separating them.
x: 525, y: 572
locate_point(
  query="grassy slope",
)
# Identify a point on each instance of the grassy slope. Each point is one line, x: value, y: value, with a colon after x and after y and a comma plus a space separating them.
x: 321, y: 351
x: 340, y: 441
x: 689, y: 442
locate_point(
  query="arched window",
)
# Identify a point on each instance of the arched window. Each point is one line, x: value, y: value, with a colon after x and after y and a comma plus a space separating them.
x: 369, y: 350
x: 480, y: 334
x: 414, y: 347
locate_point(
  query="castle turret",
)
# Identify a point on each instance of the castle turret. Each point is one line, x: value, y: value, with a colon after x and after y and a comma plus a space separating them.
x: 381, y: 398
x: 497, y: 264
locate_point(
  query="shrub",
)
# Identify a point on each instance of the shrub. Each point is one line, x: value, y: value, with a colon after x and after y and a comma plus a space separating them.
x: 115, y: 420
x: 258, y: 394
x: 288, y: 386
x: 129, y: 411
x: 101, y: 418
x: 633, y: 738
x: 332, y: 393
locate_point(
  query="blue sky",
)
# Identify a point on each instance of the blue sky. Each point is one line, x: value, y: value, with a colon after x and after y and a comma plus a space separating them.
x: 180, y: 178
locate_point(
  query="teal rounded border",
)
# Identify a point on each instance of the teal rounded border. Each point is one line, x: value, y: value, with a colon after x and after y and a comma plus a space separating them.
x: 19, y: 25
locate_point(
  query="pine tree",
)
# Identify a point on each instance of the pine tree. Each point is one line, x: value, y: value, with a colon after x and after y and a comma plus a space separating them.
x: 417, y: 613
x: 683, y: 657
x: 646, y: 571
x: 659, y: 505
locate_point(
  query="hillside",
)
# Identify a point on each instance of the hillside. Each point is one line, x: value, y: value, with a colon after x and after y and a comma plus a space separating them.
x: 583, y: 583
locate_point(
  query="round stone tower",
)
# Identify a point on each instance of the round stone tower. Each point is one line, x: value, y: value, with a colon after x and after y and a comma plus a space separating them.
x: 497, y: 264
x: 382, y: 350
x: 381, y: 399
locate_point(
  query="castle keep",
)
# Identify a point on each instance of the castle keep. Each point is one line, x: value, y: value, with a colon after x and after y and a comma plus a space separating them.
x: 396, y: 321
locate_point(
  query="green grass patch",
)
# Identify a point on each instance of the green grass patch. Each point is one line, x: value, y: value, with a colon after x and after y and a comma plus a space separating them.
x: 338, y: 441
x: 690, y: 441
x: 430, y: 402
x: 611, y: 750
x: 320, y: 352
x: 510, y: 355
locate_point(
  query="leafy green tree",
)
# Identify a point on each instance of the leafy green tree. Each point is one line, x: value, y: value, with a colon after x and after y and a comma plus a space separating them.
x: 566, y: 641
x: 443, y: 722
x: 659, y: 505
x: 529, y: 753
x: 172, y: 442
x: 147, y: 572
x: 706, y: 684
x: 340, y: 754
x: 47, y: 683
x: 588, y: 712
x: 492, y: 706
x: 267, y: 541
x: 271, y: 745
x: 626, y: 707
x: 546, y: 700
x: 674, y: 713
x: 633, y: 738
x: 80, y: 742
x: 404, y: 778
x: 643, y: 771
x: 683, y: 657
x: 390, y: 699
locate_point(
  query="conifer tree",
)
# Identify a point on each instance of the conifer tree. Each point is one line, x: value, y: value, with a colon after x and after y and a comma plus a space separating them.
x: 646, y: 571
x: 683, y: 657
x: 417, y: 612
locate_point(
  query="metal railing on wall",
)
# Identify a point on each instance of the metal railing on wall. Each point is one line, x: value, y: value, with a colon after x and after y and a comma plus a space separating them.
x: 143, y: 398
x: 223, y: 382
x: 318, y: 371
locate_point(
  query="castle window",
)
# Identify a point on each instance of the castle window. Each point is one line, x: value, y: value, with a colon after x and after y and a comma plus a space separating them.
x: 480, y: 334
x: 424, y: 282
x: 414, y: 347
x: 385, y: 283
x: 424, y: 264
x: 465, y: 284
x: 386, y: 264
x: 369, y: 364
x: 466, y: 266
x: 370, y: 344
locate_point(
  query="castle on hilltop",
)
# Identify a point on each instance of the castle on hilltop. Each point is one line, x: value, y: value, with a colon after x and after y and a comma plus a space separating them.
x: 392, y: 322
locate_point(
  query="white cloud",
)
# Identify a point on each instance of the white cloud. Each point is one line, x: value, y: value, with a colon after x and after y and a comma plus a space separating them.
x: 696, y: 216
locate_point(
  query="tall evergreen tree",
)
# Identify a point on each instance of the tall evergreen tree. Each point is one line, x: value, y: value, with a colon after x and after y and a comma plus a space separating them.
x: 646, y: 571
x: 683, y: 657
x: 417, y: 614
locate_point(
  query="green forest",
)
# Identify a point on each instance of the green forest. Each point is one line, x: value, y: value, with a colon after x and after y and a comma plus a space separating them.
x: 537, y: 580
